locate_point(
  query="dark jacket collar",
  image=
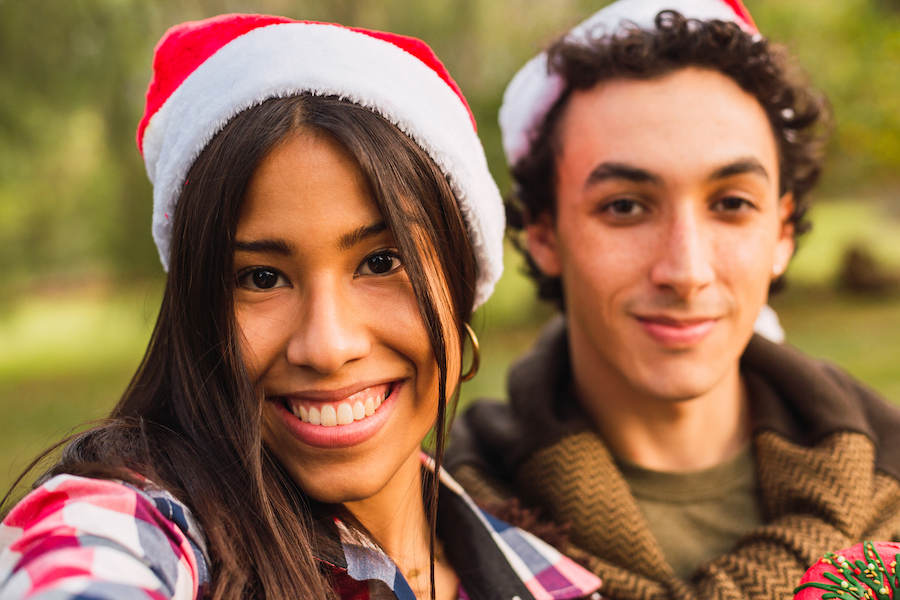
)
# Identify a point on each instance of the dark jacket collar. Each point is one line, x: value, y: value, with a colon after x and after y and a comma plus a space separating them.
x: 801, y: 399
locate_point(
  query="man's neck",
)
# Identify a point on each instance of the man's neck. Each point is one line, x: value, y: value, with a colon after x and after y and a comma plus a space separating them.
x: 664, y: 434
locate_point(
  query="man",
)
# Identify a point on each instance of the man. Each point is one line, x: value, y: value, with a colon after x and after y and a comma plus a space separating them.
x: 661, y: 172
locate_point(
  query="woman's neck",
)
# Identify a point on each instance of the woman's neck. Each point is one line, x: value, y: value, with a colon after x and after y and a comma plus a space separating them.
x: 396, y: 518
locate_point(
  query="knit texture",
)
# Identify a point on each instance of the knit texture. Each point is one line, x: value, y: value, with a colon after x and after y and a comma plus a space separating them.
x: 816, y: 495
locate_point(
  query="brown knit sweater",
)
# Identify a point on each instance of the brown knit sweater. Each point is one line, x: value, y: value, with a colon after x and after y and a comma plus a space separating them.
x: 827, y: 454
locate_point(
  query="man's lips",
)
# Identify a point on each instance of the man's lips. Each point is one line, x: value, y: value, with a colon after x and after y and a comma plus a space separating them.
x: 675, y: 331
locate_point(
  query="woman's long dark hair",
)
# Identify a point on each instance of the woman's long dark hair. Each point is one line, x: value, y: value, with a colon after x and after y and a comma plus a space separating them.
x: 190, y: 420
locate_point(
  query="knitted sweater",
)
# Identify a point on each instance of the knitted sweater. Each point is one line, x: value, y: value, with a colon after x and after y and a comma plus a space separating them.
x: 827, y: 454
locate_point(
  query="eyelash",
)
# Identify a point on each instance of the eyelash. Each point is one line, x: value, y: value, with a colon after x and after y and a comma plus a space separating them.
x: 611, y: 209
x: 743, y: 203
x: 249, y: 271
x: 391, y: 253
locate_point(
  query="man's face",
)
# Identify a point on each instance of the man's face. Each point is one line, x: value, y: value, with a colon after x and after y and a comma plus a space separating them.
x: 668, y: 229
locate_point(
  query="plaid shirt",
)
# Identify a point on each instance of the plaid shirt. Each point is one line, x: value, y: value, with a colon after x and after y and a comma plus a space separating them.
x: 77, y: 538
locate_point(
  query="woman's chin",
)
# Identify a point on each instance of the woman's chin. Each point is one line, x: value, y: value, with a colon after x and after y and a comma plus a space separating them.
x: 337, y: 488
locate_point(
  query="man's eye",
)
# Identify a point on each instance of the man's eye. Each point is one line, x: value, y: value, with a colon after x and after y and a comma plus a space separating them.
x: 732, y: 204
x: 382, y: 262
x: 624, y: 207
x: 261, y: 278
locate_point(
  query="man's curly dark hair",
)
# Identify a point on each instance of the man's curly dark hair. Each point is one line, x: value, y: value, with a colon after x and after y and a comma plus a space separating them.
x: 800, y: 116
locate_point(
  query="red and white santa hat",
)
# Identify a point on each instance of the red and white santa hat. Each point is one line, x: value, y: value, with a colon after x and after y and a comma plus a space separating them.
x: 534, y: 90
x: 207, y: 72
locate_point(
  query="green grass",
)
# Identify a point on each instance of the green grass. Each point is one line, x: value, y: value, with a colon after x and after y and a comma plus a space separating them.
x: 862, y: 335
x: 838, y: 224
x: 65, y: 357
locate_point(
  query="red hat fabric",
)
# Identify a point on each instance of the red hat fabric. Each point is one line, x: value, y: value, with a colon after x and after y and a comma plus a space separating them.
x: 206, y: 72
x: 867, y: 570
x: 534, y: 90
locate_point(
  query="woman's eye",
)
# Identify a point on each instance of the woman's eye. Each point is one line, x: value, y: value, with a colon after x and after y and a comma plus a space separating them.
x: 624, y: 207
x: 261, y: 278
x: 380, y: 263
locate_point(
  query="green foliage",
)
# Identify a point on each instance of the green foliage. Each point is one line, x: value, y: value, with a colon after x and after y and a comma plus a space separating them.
x: 74, y: 199
x: 75, y: 202
x: 851, y: 50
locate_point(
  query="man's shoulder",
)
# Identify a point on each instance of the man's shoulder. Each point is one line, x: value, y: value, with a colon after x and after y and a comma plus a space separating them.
x: 806, y: 399
x: 481, y: 437
x: 496, y: 436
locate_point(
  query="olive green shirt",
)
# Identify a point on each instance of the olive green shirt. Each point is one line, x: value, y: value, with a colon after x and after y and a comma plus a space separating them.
x: 699, y: 515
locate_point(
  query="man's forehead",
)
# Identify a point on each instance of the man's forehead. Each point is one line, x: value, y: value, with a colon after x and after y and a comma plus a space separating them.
x: 661, y: 97
x: 689, y: 117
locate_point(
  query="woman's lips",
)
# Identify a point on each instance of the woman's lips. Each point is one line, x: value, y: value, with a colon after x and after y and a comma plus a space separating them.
x: 333, y: 423
x: 677, y: 332
x: 355, y: 407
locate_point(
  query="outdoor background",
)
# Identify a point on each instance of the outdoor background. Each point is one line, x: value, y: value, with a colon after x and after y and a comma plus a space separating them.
x: 80, y: 282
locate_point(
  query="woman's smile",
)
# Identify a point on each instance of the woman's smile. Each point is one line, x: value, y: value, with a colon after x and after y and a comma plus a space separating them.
x: 332, y: 334
x: 334, y: 423
x: 355, y: 407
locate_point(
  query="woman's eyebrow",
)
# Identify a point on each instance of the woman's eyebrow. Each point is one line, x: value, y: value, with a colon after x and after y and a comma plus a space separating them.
x: 348, y: 240
x: 275, y: 246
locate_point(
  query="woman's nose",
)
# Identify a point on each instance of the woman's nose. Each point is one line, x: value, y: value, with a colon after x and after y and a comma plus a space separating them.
x: 330, y: 331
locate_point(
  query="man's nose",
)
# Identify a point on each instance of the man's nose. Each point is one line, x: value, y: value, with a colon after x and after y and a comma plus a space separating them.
x: 330, y: 331
x: 685, y: 257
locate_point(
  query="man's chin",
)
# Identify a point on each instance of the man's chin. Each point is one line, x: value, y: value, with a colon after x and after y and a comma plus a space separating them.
x: 679, y: 382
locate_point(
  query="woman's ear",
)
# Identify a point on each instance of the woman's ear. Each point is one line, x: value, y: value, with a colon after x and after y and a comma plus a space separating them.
x: 540, y: 235
x: 785, y: 245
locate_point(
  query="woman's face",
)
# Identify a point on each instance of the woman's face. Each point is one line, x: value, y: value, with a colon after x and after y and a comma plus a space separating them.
x: 332, y: 335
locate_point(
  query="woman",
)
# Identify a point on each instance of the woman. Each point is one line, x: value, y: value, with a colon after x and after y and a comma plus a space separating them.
x: 328, y: 223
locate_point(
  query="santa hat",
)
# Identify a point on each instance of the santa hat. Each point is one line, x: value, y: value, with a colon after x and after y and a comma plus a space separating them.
x: 534, y: 90
x: 206, y: 72
x: 867, y: 570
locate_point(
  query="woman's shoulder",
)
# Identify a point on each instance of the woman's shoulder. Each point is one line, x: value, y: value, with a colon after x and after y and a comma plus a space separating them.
x: 75, y: 534
x: 477, y: 542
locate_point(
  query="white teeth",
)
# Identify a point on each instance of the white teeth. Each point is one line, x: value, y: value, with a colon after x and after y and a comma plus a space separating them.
x: 359, y: 411
x: 344, y: 414
x: 329, y: 416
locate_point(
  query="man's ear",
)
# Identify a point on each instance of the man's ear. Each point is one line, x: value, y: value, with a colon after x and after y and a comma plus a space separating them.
x: 540, y: 235
x: 784, y: 248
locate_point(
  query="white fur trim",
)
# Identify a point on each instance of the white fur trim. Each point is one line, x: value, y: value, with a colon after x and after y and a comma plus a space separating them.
x: 289, y: 58
x: 768, y: 325
x: 533, y: 90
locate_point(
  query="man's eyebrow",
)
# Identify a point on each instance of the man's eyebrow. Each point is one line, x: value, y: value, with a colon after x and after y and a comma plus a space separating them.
x: 740, y: 167
x: 348, y: 240
x: 275, y: 246
x: 611, y: 170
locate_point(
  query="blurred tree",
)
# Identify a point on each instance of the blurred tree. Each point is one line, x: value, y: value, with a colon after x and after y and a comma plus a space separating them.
x: 74, y: 199
x: 851, y: 49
